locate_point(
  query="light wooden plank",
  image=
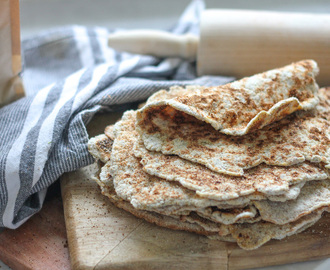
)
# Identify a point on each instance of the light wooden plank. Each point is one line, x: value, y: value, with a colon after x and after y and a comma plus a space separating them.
x: 40, y: 243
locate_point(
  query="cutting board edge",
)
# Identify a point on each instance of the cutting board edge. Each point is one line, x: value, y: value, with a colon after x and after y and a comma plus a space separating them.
x: 73, y: 244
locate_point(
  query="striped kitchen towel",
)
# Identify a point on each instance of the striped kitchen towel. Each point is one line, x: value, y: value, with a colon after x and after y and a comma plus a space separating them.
x: 69, y: 75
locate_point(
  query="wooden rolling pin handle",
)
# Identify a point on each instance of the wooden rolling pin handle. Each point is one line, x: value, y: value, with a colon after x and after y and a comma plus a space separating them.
x: 157, y: 43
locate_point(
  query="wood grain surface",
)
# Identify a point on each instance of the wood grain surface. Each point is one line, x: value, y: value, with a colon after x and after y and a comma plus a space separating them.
x: 41, y: 242
x: 101, y: 236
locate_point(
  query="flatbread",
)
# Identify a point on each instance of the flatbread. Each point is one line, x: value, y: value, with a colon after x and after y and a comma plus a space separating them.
x: 252, y: 236
x: 226, y: 215
x: 290, y: 141
x: 322, y: 110
x: 109, y: 132
x: 180, y: 207
x: 173, y: 223
x: 248, y: 214
x: 268, y: 202
x: 100, y: 147
x: 248, y: 104
x: 134, y: 185
x: 148, y: 192
x: 248, y: 236
x: 223, y: 214
x: 142, y: 190
x: 314, y: 195
x: 269, y: 180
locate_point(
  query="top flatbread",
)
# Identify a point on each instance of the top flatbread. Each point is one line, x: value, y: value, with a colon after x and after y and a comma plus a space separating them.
x: 322, y: 110
x: 245, y: 105
x: 290, y: 141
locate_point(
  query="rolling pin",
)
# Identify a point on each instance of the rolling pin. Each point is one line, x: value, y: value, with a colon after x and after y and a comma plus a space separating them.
x: 240, y: 43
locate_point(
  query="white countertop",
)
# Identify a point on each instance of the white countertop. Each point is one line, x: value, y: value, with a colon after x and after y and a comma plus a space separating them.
x: 39, y: 15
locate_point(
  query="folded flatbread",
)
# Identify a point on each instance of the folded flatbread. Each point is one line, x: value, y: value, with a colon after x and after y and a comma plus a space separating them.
x: 175, y: 131
x: 245, y: 105
x: 287, y: 142
x: 183, y: 163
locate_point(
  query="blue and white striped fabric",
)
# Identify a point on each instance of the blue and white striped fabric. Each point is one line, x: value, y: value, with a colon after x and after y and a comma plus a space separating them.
x: 69, y: 75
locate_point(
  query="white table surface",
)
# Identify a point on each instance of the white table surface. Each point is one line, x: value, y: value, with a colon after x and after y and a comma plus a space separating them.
x: 40, y: 15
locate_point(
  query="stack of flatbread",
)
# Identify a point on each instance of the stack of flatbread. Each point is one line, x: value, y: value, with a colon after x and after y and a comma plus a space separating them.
x: 245, y: 162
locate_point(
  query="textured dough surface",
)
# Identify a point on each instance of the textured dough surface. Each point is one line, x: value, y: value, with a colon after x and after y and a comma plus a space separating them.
x: 136, y: 186
x: 269, y: 180
x: 290, y: 141
x: 275, y: 180
x: 252, y: 236
x: 314, y: 195
x: 248, y: 104
x: 142, y: 190
x: 248, y: 236
x: 100, y: 147
x: 145, y: 191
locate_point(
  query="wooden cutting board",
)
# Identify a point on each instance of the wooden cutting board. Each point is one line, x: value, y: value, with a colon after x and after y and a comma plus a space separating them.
x: 41, y: 242
x: 102, y: 236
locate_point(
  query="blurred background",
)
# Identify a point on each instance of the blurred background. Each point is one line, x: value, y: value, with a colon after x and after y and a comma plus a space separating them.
x: 39, y: 15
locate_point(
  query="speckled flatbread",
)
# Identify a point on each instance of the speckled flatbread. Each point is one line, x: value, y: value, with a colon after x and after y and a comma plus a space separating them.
x: 136, y: 186
x: 245, y: 105
x: 226, y: 214
x: 322, y: 110
x: 247, y: 214
x: 173, y: 223
x: 108, y: 131
x: 314, y: 195
x: 290, y: 141
x: 265, y: 179
x: 100, y: 147
x: 248, y: 236
x: 223, y: 214
x: 142, y: 190
x: 299, y: 137
x: 252, y: 236
x: 182, y: 206
x: 145, y: 191
x: 268, y: 202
